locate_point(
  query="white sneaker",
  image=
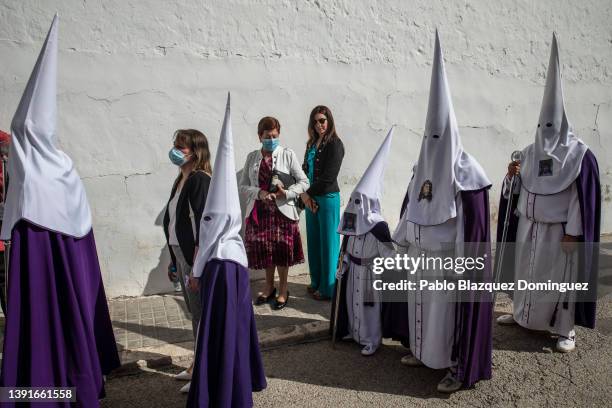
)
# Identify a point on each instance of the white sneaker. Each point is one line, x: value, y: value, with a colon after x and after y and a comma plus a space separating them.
x: 506, y: 320
x: 348, y: 337
x: 449, y: 384
x: 368, y: 350
x: 183, y: 376
x: 567, y: 344
x: 185, y: 388
x: 411, y: 361
x: 177, y: 286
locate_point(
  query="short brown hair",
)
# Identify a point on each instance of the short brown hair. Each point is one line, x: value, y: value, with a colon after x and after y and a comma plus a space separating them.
x: 198, y: 144
x: 268, y: 123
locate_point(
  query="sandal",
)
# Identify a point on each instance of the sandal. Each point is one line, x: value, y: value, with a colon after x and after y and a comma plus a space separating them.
x: 310, y: 289
x: 262, y: 299
x: 449, y: 383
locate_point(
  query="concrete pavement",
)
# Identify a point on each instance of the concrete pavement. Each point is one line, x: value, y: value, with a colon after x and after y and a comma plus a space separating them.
x: 157, y: 329
x: 527, y: 372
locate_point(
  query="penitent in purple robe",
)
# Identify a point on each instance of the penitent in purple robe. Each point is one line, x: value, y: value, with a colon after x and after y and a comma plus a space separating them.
x: 58, y: 330
x: 228, y: 366
x: 589, y: 196
x: 473, y: 322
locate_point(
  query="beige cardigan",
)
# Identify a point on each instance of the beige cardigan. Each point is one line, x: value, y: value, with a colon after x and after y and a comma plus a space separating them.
x: 285, y: 160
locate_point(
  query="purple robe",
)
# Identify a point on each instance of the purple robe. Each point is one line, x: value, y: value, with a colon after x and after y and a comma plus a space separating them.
x: 228, y: 366
x: 58, y: 330
x: 589, y: 196
x: 474, y: 348
x: 395, y: 319
x: 473, y: 321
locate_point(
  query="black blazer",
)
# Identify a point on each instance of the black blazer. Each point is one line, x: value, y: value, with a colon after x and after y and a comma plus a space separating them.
x: 194, y: 192
x: 327, y: 162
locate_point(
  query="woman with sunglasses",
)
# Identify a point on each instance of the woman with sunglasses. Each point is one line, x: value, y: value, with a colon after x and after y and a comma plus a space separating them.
x: 322, y: 161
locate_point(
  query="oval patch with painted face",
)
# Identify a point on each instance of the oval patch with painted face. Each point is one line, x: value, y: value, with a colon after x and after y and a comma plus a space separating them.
x: 426, y: 191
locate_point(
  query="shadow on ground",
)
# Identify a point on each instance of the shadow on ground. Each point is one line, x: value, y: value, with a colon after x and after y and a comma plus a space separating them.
x: 145, y: 387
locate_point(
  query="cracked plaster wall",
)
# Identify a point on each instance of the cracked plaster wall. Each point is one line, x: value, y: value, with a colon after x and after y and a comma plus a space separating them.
x: 133, y: 71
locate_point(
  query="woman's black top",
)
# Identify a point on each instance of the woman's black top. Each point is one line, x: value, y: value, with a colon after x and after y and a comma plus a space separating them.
x: 194, y: 192
x: 327, y: 162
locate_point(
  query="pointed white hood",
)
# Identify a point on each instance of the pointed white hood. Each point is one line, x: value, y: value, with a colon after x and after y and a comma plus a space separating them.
x: 44, y: 187
x: 553, y: 162
x: 222, y: 218
x: 362, y: 212
x: 443, y: 168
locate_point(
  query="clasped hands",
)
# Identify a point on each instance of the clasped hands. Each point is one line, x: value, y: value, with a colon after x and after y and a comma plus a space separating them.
x: 268, y: 196
x: 308, y: 201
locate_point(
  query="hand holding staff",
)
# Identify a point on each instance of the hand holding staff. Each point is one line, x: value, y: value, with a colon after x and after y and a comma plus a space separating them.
x: 514, y: 168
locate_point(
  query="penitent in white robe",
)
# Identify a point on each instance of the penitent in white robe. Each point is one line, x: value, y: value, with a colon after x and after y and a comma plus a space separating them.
x: 543, y: 220
x: 431, y: 314
x: 364, y: 321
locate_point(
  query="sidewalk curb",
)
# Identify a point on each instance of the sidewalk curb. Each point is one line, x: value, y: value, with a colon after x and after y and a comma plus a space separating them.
x: 274, y: 337
x: 293, y: 334
x: 268, y: 339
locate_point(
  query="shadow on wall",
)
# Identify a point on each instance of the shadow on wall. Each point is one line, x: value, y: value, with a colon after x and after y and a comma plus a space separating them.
x: 242, y: 200
x: 157, y: 281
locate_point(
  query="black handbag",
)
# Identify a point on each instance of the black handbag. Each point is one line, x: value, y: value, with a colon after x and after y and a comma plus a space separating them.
x: 281, y: 179
x: 284, y: 180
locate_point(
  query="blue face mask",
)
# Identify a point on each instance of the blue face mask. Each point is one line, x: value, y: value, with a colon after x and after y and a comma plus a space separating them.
x: 177, y: 157
x: 270, y: 145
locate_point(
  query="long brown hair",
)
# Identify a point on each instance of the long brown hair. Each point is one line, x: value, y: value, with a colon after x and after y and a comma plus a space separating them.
x: 331, y: 127
x: 198, y: 144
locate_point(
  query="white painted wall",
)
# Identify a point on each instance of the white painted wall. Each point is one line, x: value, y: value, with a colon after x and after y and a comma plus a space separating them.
x: 133, y: 71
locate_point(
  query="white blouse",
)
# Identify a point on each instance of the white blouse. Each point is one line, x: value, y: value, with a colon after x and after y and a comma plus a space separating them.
x: 173, y: 240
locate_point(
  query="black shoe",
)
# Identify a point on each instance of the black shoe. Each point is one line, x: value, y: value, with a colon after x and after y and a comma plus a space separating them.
x: 261, y: 299
x: 280, y: 305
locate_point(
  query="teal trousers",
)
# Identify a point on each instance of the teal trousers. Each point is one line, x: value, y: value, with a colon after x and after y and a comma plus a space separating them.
x: 323, y: 243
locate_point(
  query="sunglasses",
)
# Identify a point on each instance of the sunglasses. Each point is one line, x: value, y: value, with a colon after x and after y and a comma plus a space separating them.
x: 321, y: 121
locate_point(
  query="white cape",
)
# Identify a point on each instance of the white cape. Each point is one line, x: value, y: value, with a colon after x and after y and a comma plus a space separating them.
x: 44, y: 187
x: 553, y: 162
x: 363, y: 211
x: 222, y: 218
x: 444, y: 168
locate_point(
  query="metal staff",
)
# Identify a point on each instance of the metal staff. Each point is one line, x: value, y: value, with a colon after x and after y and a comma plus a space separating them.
x: 337, y: 303
x: 517, y: 156
x: 7, y: 243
